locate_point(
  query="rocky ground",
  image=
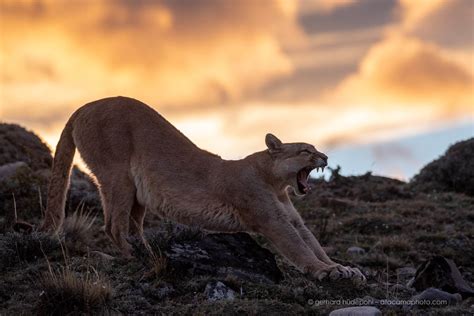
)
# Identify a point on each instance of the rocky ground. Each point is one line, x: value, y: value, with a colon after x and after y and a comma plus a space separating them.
x: 405, y: 237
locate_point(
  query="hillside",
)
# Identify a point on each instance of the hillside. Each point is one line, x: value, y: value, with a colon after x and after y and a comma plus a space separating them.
x: 386, y: 227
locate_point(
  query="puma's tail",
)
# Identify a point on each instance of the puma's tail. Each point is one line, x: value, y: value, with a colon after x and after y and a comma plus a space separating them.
x: 59, y: 182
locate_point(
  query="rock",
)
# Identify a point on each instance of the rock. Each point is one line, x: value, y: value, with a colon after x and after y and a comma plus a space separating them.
x: 433, y: 294
x: 441, y: 273
x: 19, y: 144
x: 25, y: 164
x: 10, y: 169
x: 356, y: 311
x: 192, y: 252
x: 355, y: 251
x: 217, y: 290
x: 222, y: 255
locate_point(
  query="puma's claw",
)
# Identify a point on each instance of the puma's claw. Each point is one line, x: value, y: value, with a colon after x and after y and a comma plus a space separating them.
x: 337, y: 271
x: 358, y: 275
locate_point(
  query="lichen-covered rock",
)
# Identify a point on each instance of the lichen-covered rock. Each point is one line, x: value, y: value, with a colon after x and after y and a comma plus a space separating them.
x: 217, y: 290
x: 225, y: 255
x: 191, y: 252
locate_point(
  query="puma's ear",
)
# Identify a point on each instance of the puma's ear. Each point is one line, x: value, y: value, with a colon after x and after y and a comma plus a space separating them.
x: 272, y: 142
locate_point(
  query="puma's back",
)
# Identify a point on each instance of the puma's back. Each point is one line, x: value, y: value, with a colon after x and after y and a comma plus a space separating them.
x: 126, y: 143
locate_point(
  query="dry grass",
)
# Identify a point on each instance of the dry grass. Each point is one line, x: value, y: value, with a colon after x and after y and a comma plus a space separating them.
x: 76, y: 228
x: 64, y: 293
x: 159, y: 264
x: 156, y: 260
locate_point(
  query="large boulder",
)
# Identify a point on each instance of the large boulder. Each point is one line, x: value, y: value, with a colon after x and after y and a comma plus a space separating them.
x: 191, y: 252
x: 19, y: 144
x: 25, y: 164
x: 442, y: 273
x: 454, y: 171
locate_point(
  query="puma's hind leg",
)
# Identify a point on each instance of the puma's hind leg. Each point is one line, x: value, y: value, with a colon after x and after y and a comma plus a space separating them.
x: 118, y: 196
x: 137, y: 216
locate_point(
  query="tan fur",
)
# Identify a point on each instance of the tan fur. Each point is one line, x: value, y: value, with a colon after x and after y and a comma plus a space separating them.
x: 142, y: 162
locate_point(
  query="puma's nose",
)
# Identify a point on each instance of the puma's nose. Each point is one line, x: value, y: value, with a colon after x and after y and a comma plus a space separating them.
x: 321, y: 160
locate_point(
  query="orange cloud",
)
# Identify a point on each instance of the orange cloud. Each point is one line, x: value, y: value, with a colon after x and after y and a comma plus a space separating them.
x: 207, y: 66
x: 176, y: 54
x: 408, y: 71
x: 415, y: 11
x: 324, y: 5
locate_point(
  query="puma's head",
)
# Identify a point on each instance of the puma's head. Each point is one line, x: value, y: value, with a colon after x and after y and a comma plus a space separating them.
x: 292, y: 163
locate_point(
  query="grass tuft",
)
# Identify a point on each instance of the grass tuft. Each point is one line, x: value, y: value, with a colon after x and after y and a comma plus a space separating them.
x: 76, y: 228
x: 65, y: 293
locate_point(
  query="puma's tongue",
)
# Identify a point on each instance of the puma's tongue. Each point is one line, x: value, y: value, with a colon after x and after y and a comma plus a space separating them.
x: 303, y: 181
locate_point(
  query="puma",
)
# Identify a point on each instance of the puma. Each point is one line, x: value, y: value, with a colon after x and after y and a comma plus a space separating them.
x: 142, y: 162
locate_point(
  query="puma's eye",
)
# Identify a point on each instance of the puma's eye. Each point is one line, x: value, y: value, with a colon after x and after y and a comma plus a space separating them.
x: 305, y: 151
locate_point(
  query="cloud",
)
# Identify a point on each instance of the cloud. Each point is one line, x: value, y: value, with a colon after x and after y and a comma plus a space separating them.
x: 325, y: 6
x: 227, y: 72
x: 179, y: 54
x: 413, y: 12
x: 409, y: 71
x: 445, y: 23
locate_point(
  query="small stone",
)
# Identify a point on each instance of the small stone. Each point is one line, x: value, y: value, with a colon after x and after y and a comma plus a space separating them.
x: 357, y: 311
x: 433, y: 294
x: 218, y: 291
x: 355, y: 251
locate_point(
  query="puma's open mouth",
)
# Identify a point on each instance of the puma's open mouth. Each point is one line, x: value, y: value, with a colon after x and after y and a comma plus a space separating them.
x: 302, y: 179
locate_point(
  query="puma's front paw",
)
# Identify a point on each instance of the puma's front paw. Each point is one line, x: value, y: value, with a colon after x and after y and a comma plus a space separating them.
x: 337, y: 271
x: 357, y: 275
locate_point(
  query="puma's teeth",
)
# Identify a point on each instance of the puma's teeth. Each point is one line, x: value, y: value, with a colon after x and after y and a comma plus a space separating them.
x: 323, y: 168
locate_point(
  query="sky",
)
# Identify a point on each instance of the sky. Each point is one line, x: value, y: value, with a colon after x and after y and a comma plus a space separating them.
x: 370, y: 82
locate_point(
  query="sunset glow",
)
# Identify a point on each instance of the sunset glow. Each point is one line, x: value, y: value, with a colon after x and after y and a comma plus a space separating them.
x: 226, y: 72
